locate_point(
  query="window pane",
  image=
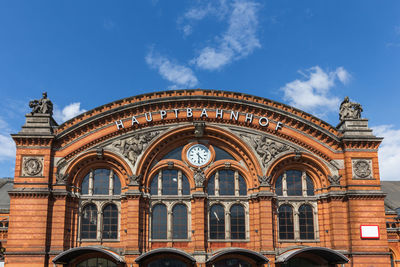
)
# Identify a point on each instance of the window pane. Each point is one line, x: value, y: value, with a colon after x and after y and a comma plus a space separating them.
x: 85, y: 185
x: 159, y: 222
x: 278, y: 186
x: 221, y: 154
x: 238, y: 225
x: 226, y: 182
x: 242, y: 186
x: 110, y: 222
x: 167, y: 263
x: 293, y: 181
x: 310, y: 186
x: 89, y: 222
x: 179, y: 214
x: 170, y: 182
x: 174, y: 154
x: 101, y: 182
x: 117, y: 185
x: 231, y: 262
x: 286, y: 230
x: 306, y: 222
x: 154, y: 185
x: 217, y: 222
x: 185, y: 185
x: 211, y: 186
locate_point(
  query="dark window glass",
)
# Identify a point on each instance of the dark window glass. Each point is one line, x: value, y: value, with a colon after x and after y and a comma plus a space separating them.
x: 286, y: 229
x: 217, y: 222
x: 95, y: 262
x: 170, y: 182
x: 231, y: 262
x: 89, y: 222
x: 242, y: 186
x: 238, y: 225
x: 174, y: 154
x: 278, y: 186
x: 179, y: 221
x: 101, y: 182
x: 166, y: 262
x: 306, y: 222
x: 293, y: 181
x: 117, y: 185
x: 226, y: 182
x: 85, y: 185
x: 221, y: 154
x: 185, y: 185
x: 310, y: 186
x: 154, y: 185
x: 159, y: 222
x: 110, y: 222
x: 211, y: 186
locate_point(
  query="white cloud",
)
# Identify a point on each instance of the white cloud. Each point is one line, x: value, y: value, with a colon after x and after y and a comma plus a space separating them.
x: 180, y: 75
x: 238, y: 41
x: 68, y: 112
x: 7, y: 145
x: 389, y: 152
x: 314, y: 92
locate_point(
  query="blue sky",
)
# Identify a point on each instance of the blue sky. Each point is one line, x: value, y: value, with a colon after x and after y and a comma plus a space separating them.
x: 309, y: 54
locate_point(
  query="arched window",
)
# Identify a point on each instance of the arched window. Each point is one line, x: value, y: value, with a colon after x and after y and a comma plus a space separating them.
x: 89, y: 222
x: 101, y: 182
x: 232, y: 262
x: 96, y: 262
x: 306, y: 222
x: 286, y: 229
x: 179, y: 222
x: 172, y: 182
x: 294, y: 183
x: 230, y: 183
x: 159, y: 222
x: 217, y: 222
x: 167, y: 262
x: 238, y: 224
x: 110, y: 222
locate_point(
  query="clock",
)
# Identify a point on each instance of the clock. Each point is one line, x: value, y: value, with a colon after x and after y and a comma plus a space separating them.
x: 198, y: 155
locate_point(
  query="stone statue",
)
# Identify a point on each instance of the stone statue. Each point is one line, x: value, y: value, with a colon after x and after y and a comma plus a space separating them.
x: 43, y: 105
x: 349, y: 110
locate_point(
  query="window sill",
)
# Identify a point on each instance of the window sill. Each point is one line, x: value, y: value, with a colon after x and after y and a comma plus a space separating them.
x: 299, y: 240
x: 99, y: 240
x: 229, y: 240
x: 170, y: 240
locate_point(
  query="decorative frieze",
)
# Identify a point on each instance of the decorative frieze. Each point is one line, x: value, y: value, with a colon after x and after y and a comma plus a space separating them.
x: 362, y: 168
x: 32, y: 166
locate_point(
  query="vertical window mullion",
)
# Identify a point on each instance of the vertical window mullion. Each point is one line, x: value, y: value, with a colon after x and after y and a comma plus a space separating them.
x: 91, y: 182
x: 159, y: 179
x: 179, y: 183
x: 236, y: 179
x: 111, y: 183
x: 216, y: 183
x: 284, y: 185
x: 304, y: 184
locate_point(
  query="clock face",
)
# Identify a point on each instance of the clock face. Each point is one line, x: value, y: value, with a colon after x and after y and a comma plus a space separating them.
x: 198, y: 154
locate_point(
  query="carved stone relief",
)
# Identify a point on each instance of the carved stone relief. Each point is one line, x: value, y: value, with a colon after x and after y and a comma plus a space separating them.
x: 334, y: 179
x: 264, y: 180
x: 266, y: 148
x: 32, y: 166
x: 134, y: 179
x: 199, y: 177
x: 362, y: 168
x: 133, y: 146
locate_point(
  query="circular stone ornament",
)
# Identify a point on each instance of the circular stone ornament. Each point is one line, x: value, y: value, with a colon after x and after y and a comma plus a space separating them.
x: 32, y: 166
x: 362, y: 168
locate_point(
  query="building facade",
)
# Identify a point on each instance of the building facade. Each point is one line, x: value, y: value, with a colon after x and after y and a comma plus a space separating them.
x: 197, y: 178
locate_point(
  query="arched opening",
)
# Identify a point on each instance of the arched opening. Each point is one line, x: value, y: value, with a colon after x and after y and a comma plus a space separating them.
x: 89, y: 256
x: 166, y: 257
x: 237, y: 257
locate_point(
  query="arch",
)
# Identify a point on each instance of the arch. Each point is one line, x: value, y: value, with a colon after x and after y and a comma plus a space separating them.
x: 259, y: 258
x: 67, y: 256
x: 164, y: 251
x: 330, y: 255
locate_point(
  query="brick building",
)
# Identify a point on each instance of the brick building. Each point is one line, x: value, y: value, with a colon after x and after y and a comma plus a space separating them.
x: 198, y: 178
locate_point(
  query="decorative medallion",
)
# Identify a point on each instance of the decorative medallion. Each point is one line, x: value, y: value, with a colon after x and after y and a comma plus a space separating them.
x: 32, y: 166
x: 199, y: 177
x: 362, y: 168
x: 132, y: 147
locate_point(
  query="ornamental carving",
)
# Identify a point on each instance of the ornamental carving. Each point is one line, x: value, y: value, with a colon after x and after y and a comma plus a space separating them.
x: 134, y: 179
x: 266, y: 148
x: 264, y: 180
x: 42, y: 106
x: 334, y: 180
x: 199, y: 177
x: 32, y: 166
x: 362, y: 168
x: 349, y: 110
x: 132, y: 147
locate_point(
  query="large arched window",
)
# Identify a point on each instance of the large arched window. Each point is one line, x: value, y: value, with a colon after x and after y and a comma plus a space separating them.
x: 238, y: 223
x: 159, y: 222
x: 170, y: 182
x: 101, y: 182
x: 179, y: 221
x: 110, y: 222
x: 89, y: 222
x: 217, y: 222
x: 226, y: 183
x: 294, y: 183
x: 286, y: 226
x: 306, y: 222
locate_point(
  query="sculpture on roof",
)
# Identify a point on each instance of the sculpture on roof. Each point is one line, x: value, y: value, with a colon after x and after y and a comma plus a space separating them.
x: 349, y: 110
x: 42, y: 106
